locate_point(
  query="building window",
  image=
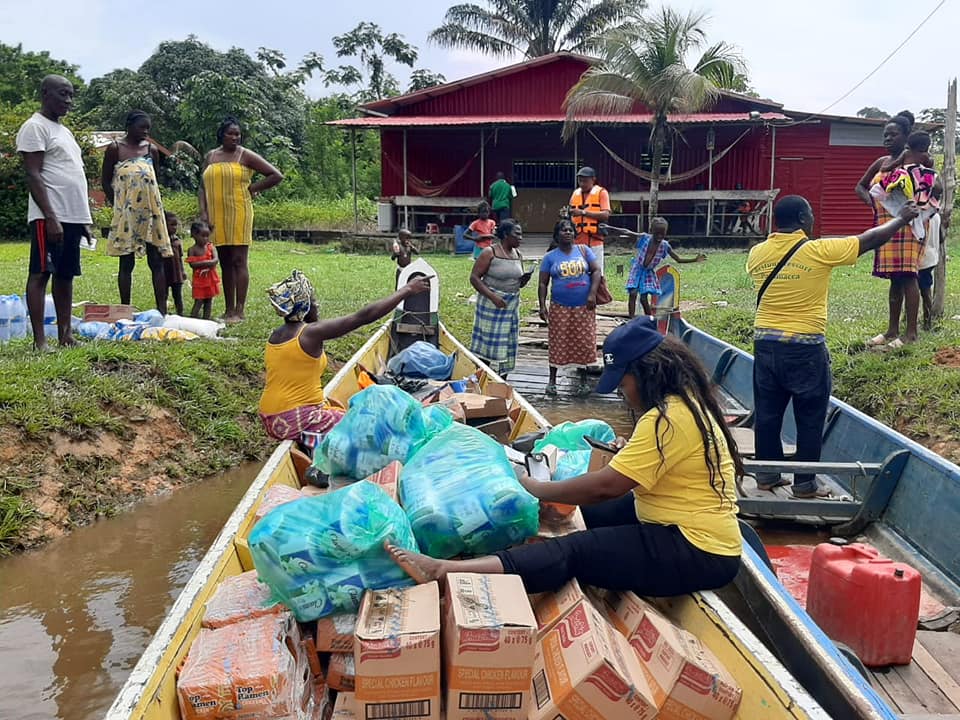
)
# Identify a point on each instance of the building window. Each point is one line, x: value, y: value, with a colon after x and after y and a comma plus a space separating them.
x: 544, y: 174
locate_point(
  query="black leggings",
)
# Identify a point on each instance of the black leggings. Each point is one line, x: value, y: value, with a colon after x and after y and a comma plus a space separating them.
x: 620, y: 553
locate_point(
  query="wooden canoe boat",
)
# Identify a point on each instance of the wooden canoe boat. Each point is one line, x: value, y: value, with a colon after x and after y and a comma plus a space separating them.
x: 769, y: 690
x: 910, y: 517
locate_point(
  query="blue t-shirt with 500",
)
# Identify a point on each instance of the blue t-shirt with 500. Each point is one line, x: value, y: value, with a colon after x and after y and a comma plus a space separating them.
x: 569, y: 274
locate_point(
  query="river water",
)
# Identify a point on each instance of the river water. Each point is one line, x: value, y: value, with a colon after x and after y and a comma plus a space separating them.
x: 76, y: 615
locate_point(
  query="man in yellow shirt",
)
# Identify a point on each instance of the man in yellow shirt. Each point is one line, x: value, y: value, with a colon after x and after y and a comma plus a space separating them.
x: 791, y: 361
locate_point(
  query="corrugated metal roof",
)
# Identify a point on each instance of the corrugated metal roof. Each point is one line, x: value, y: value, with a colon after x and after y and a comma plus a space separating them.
x: 393, y: 103
x: 400, y: 121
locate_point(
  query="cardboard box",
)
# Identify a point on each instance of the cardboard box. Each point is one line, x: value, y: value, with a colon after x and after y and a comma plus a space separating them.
x: 480, y: 406
x: 107, y: 313
x: 500, y: 430
x: 687, y: 679
x: 599, y: 459
x: 499, y: 390
x: 345, y: 708
x: 550, y: 607
x: 341, y: 672
x: 397, y: 652
x: 586, y: 669
x: 556, y: 524
x: 388, y: 478
x: 490, y: 636
x: 335, y: 633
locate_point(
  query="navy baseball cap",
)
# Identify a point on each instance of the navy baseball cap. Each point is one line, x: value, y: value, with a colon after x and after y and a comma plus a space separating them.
x: 625, y: 344
x: 587, y: 171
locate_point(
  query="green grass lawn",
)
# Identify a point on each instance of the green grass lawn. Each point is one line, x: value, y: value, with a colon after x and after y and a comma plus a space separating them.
x: 213, y: 387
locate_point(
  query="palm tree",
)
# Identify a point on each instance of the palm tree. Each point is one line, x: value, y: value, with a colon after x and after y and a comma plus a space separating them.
x: 645, y: 62
x: 532, y: 27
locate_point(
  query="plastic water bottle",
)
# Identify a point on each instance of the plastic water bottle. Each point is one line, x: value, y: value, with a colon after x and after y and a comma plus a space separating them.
x: 49, y: 317
x: 18, y: 318
x: 5, y: 308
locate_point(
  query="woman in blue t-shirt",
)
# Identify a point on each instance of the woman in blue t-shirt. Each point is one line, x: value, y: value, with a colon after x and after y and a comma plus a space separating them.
x: 571, y: 318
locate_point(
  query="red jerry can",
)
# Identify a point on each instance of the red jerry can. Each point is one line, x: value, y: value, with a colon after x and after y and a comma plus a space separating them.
x: 865, y: 600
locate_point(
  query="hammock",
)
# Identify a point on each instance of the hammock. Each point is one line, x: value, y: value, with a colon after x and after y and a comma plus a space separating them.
x: 670, y: 178
x: 425, y: 189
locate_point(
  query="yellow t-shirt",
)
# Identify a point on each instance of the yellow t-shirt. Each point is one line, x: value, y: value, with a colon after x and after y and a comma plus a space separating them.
x: 675, y: 489
x: 293, y: 377
x: 796, y: 301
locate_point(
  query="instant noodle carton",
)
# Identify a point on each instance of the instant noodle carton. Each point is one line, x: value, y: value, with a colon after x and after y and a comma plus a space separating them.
x: 239, y: 597
x: 550, y: 607
x: 345, y: 707
x: 275, y: 496
x: 250, y: 669
x: 388, y: 478
x: 687, y: 679
x: 335, y: 633
x: 342, y: 672
x: 490, y: 637
x: 397, y: 652
x: 586, y: 670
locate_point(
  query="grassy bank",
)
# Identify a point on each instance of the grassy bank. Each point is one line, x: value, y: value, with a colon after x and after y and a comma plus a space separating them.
x: 84, y: 431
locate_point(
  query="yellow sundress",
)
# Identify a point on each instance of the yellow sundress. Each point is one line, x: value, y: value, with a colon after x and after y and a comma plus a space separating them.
x: 229, y: 205
x: 137, y: 210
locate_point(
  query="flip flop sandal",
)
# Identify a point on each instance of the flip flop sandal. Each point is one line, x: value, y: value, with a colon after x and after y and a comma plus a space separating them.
x: 584, y: 390
x: 820, y: 493
x: 877, y: 340
x: 551, y: 390
x: 780, y: 483
x: 895, y: 344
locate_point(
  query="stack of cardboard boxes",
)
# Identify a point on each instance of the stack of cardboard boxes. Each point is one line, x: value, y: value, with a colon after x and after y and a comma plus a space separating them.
x: 493, y: 410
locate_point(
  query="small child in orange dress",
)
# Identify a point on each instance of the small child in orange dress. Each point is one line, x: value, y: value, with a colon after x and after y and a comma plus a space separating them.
x: 203, y: 259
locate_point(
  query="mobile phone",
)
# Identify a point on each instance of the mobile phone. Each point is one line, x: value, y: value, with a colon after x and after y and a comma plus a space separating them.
x: 600, y: 445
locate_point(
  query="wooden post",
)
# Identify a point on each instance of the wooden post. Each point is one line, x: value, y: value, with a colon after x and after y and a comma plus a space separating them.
x: 710, y: 147
x: 482, y: 163
x: 406, y: 218
x: 773, y: 168
x: 949, y: 186
x: 353, y: 157
x: 576, y: 154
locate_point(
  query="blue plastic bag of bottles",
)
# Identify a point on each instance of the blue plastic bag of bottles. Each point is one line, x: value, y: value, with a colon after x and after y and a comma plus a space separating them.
x: 569, y: 435
x: 436, y: 419
x: 382, y: 424
x: 422, y: 360
x: 319, y: 554
x: 571, y: 464
x: 462, y: 496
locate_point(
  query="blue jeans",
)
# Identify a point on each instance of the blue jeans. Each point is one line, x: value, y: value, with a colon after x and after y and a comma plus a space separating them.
x: 784, y: 372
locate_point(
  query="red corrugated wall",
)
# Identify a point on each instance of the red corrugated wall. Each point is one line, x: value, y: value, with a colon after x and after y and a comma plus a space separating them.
x: 806, y: 163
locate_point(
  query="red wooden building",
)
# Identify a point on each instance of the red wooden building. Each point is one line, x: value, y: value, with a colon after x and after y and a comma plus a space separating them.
x: 441, y: 149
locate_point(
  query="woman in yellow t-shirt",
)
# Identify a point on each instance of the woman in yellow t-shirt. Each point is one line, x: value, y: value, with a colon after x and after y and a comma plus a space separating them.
x: 662, y: 516
x: 293, y: 402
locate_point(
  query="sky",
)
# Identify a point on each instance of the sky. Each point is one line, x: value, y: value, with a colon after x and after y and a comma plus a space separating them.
x: 802, y: 54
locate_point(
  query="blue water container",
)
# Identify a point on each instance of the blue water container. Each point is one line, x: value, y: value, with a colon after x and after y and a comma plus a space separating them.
x: 462, y: 245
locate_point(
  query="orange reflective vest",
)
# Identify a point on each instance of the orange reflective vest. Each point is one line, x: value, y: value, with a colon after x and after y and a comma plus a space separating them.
x: 587, y: 225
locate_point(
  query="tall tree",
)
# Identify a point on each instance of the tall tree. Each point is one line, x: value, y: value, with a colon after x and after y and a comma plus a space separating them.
x: 532, y: 27
x: 422, y: 78
x: 873, y: 113
x: 373, y: 49
x: 645, y: 62
x: 21, y: 73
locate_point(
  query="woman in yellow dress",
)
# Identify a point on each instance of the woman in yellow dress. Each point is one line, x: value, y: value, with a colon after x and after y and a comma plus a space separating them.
x: 138, y: 227
x: 226, y: 205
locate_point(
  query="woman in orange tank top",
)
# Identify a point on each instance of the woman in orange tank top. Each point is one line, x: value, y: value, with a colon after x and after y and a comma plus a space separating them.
x: 293, y: 402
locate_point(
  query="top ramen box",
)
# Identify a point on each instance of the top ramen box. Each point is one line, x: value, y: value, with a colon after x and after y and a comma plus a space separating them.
x: 250, y: 669
x: 687, y: 679
x: 490, y: 637
x: 397, y: 653
x: 587, y: 670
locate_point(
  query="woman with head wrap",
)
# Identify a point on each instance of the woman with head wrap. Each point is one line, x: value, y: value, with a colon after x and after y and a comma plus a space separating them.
x: 138, y: 227
x: 293, y: 401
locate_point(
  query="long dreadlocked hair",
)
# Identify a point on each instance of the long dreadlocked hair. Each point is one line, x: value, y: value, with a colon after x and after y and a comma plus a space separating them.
x: 672, y: 369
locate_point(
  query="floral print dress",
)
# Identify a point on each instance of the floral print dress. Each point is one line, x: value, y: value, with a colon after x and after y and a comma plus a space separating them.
x: 137, y: 211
